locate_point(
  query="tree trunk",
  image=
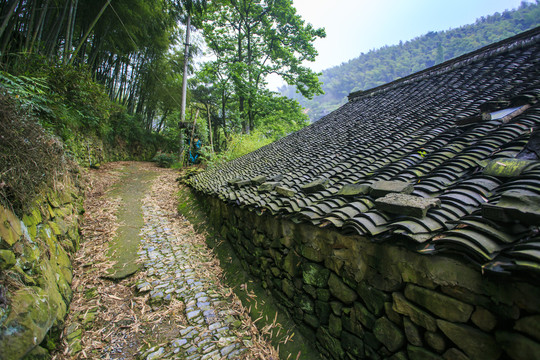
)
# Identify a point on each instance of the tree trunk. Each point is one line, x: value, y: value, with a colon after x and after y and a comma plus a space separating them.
x: 54, y: 38
x: 209, y: 127
x: 39, y: 26
x: 184, y: 82
x: 184, y: 78
x: 83, y: 40
x: 8, y: 17
x: 30, y: 26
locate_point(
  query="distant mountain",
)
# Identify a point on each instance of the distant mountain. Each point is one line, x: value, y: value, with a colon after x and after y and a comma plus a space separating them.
x: 388, y: 63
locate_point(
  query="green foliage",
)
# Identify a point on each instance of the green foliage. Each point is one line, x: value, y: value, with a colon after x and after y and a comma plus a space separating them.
x: 253, y: 39
x: 388, y: 63
x: 278, y: 116
x: 239, y: 145
x: 30, y: 91
x: 164, y: 160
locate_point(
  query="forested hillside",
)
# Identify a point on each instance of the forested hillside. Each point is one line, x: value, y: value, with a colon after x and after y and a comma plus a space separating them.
x: 388, y: 63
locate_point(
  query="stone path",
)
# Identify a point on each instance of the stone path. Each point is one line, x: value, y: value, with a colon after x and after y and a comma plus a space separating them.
x: 172, y: 265
x: 176, y: 305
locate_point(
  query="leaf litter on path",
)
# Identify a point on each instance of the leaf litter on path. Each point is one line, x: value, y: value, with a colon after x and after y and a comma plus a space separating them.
x: 124, y: 322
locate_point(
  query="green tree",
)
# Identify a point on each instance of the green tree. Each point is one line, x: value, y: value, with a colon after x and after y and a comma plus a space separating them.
x: 259, y: 38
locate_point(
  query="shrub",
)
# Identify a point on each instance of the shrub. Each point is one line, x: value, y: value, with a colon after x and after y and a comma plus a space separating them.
x: 164, y: 160
x: 239, y: 145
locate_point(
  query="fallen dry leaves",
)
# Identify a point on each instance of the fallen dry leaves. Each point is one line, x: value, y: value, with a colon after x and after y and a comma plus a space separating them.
x: 124, y: 322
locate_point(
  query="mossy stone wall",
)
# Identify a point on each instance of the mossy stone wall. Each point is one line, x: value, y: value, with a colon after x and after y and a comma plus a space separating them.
x: 36, y: 272
x: 91, y: 151
x: 362, y: 300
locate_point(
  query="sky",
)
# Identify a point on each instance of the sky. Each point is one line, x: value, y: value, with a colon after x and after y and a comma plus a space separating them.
x: 358, y: 26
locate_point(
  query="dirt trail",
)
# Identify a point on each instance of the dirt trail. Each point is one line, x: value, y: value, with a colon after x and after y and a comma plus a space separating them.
x: 146, y: 285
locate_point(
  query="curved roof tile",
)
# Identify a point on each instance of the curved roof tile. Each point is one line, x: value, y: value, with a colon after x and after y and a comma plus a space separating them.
x: 426, y: 129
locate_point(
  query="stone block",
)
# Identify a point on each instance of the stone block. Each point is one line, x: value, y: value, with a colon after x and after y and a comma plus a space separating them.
x: 314, y: 274
x: 388, y: 334
x: 323, y: 294
x: 330, y: 343
x: 418, y: 353
x: 506, y: 311
x: 258, y: 180
x: 336, y: 307
x: 267, y: 187
x: 311, y: 320
x: 291, y: 264
x: 371, y: 353
x: 340, y: 290
x: 373, y: 298
x: 509, y: 167
x: 334, y: 263
x: 316, y: 185
x: 391, y: 314
x: 435, y: 341
x: 383, y: 187
x: 322, y: 309
x: 403, y: 204
x: 371, y: 341
x: 418, y: 316
x: 353, y: 189
x: 529, y: 325
x: 305, y: 303
x: 10, y: 227
x: 288, y: 288
x: 363, y: 315
x: 399, y: 356
x: 334, y: 326
x: 441, y: 305
x: 484, y: 319
x: 517, y: 346
x: 311, y: 253
x: 454, y: 354
x: 412, y: 332
x: 514, y: 205
x: 285, y: 191
x: 352, y: 344
x: 7, y: 259
x: 475, y: 343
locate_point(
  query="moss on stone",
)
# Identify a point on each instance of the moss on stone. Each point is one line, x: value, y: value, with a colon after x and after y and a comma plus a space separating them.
x: 314, y: 274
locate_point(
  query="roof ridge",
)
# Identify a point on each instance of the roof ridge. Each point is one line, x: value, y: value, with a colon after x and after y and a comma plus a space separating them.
x: 527, y: 37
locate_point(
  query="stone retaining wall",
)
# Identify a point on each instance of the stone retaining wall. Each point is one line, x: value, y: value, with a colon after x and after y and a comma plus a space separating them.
x: 36, y: 272
x: 359, y: 299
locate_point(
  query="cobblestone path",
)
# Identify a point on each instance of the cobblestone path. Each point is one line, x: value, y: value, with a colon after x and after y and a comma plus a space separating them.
x: 172, y: 264
x: 176, y: 306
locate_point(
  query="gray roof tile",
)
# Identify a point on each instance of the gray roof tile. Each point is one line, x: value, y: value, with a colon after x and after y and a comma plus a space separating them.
x: 412, y: 130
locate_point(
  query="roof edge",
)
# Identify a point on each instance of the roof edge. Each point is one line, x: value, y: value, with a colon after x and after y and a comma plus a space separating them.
x: 497, y: 48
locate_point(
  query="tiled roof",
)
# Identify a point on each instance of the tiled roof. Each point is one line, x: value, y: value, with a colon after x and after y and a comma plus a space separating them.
x: 432, y: 131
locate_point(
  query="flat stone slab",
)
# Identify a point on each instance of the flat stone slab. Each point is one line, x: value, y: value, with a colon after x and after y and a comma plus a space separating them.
x: 354, y: 189
x: 258, y: 180
x: 403, y: 204
x: 383, y: 187
x: 267, y: 186
x: 507, y: 167
x: 285, y: 191
x: 124, y: 247
x: 514, y: 205
x: 316, y: 185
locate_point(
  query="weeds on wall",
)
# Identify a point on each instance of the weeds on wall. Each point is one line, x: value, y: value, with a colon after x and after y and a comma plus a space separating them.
x: 30, y: 157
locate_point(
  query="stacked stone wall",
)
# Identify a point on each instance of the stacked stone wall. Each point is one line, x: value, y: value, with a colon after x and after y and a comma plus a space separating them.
x: 362, y: 300
x: 36, y: 272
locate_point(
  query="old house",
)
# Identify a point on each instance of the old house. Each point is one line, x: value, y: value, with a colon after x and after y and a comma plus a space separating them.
x: 405, y: 224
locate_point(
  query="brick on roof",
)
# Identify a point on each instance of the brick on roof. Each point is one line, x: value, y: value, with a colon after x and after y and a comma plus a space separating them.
x: 427, y: 130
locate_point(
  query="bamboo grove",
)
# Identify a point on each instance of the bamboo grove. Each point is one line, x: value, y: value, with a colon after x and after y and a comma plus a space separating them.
x: 136, y: 50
